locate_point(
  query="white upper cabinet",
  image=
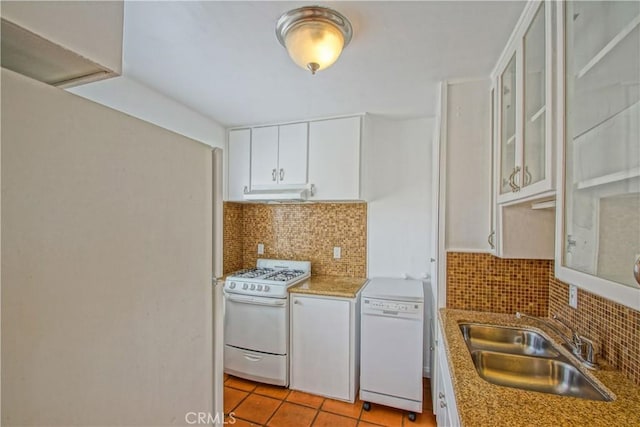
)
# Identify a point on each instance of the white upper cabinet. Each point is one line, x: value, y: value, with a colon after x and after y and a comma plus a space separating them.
x: 292, y: 154
x: 264, y: 157
x: 524, y: 159
x: 279, y: 156
x: 238, y: 155
x: 598, y: 237
x: 334, y: 159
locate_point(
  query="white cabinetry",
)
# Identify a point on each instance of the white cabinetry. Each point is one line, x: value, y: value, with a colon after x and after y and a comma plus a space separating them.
x: 446, y: 409
x: 324, y: 337
x: 523, y: 180
x: 522, y: 78
x: 334, y: 159
x: 279, y: 156
x: 238, y: 155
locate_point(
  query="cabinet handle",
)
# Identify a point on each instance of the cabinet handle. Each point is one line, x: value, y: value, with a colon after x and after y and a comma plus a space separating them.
x: 312, y: 190
x: 490, y: 239
x: 281, y: 174
x: 514, y: 187
x: 442, y: 404
x: 527, y: 176
x: 245, y: 190
x: 273, y: 175
x: 441, y: 395
x: 636, y: 270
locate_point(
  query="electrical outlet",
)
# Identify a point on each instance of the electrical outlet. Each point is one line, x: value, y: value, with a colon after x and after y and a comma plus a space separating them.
x: 260, y: 248
x: 337, y: 252
x: 573, y: 296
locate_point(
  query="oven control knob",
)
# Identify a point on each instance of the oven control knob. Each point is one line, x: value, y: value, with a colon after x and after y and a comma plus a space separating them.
x: 253, y: 286
x: 232, y: 285
x: 245, y: 286
x: 266, y: 288
x: 259, y: 287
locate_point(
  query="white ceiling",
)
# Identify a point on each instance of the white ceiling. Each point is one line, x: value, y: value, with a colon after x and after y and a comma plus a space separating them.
x: 222, y: 59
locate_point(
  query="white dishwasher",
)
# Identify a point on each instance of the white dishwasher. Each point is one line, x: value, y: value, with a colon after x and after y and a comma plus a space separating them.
x: 391, y: 344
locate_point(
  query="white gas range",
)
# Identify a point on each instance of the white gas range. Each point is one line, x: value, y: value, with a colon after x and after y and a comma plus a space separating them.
x: 256, y: 320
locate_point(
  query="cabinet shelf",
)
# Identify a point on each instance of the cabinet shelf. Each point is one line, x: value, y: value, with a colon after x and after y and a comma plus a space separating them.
x: 618, y: 114
x: 538, y: 114
x: 609, y: 46
x: 608, y: 179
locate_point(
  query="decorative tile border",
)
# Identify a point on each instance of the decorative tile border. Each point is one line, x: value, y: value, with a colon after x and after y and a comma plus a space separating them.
x: 299, y: 232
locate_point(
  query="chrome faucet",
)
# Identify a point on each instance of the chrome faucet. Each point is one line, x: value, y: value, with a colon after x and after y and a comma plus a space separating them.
x: 581, y: 346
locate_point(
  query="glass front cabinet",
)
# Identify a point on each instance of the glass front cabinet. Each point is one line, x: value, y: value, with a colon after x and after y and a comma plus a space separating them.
x: 598, y: 98
x: 522, y: 82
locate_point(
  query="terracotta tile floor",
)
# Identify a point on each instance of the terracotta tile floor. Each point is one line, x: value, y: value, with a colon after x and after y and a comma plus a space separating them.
x: 255, y: 404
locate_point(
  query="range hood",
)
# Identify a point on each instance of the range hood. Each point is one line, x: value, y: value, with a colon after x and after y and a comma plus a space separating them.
x: 277, y: 195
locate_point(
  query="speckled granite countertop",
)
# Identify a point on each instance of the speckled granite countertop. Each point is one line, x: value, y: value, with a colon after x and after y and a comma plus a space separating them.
x: 346, y: 287
x: 484, y: 404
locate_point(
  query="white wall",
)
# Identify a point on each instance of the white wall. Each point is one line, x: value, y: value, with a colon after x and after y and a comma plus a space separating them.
x: 106, y: 267
x: 397, y: 184
x: 92, y: 29
x: 133, y: 98
x: 468, y: 167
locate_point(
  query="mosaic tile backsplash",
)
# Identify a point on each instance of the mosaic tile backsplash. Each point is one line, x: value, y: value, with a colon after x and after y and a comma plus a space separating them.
x: 482, y: 282
x: 614, y: 328
x: 298, y: 232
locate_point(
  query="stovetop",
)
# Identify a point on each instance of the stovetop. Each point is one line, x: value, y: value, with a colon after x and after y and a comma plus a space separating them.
x: 270, y: 278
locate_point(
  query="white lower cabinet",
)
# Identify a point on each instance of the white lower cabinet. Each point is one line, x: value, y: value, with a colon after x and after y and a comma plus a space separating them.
x: 324, y: 346
x: 445, y: 401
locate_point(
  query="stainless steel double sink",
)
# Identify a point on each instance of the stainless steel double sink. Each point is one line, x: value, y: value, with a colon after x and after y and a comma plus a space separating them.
x: 525, y: 359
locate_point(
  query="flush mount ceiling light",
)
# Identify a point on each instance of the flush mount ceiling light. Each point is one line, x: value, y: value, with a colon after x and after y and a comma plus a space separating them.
x: 314, y: 36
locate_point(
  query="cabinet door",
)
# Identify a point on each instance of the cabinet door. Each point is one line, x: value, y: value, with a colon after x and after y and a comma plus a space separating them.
x: 292, y: 154
x: 535, y: 97
x: 334, y: 159
x: 320, y: 346
x: 508, y: 105
x: 238, y: 164
x: 264, y: 157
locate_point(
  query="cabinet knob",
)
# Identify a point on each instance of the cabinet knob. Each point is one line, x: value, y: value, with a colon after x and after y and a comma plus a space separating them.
x: 443, y: 404
x: 281, y: 174
x: 490, y: 239
x: 312, y: 190
x: 297, y: 302
x: 245, y: 190
x: 636, y: 270
x: 441, y: 395
x: 273, y: 175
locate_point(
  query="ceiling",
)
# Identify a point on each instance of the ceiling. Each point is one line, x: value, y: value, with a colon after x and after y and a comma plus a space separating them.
x: 223, y: 60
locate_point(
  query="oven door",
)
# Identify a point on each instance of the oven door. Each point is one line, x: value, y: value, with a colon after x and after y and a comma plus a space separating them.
x: 256, y: 323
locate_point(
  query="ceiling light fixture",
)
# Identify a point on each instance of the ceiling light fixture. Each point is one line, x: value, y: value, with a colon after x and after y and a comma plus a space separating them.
x: 314, y: 36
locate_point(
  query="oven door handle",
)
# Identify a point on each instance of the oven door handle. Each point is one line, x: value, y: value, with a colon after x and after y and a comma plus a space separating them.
x: 271, y: 302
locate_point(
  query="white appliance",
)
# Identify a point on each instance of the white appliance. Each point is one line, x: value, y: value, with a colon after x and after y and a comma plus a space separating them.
x: 256, y: 320
x: 391, y: 344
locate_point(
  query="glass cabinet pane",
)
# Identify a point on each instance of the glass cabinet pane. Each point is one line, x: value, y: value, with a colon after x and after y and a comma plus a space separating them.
x: 508, y: 102
x: 602, y: 143
x: 534, y: 99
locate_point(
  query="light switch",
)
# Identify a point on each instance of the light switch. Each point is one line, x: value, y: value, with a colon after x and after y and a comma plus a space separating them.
x: 337, y: 252
x: 260, y: 249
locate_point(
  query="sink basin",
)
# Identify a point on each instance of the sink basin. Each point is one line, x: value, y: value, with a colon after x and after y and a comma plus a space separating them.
x: 546, y: 375
x: 524, y: 359
x: 506, y: 340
